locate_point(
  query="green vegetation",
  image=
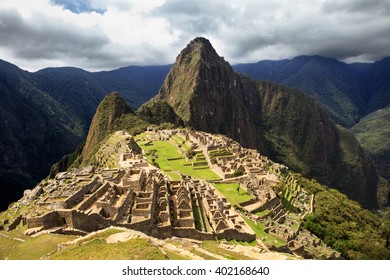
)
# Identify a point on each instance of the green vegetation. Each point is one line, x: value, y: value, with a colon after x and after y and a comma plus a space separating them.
x: 198, y: 219
x: 268, y: 239
x: 290, y: 191
x: 73, y: 159
x: 344, y: 225
x: 98, y: 249
x: 243, y: 243
x: 174, y: 256
x: 32, y: 248
x: 158, y: 111
x: 131, y: 123
x: 373, y: 133
x: 171, y: 161
x: 262, y: 213
x: 238, y: 173
x: 110, y: 109
x: 229, y: 190
x: 95, y: 247
x: 292, y: 137
x: 220, y: 153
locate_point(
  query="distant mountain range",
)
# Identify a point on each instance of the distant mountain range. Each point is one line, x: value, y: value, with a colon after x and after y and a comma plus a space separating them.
x: 347, y: 92
x: 46, y: 114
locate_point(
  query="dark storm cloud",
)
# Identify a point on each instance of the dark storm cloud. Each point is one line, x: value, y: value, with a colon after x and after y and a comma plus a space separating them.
x: 254, y: 30
x: 41, y: 37
x: 358, y: 6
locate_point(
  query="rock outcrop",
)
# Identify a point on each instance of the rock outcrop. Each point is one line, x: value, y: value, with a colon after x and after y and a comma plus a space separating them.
x: 208, y: 95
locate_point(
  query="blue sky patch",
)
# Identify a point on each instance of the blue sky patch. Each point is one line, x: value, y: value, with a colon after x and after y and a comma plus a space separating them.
x: 81, y: 6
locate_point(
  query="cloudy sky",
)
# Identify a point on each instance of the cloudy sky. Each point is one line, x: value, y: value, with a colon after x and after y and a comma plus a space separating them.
x: 100, y: 35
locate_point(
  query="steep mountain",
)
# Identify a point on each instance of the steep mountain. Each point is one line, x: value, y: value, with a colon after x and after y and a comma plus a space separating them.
x: 110, y: 109
x: 331, y: 82
x: 158, y: 111
x: 373, y: 133
x: 348, y: 92
x: 285, y: 124
x: 206, y: 93
x: 377, y: 83
x: 35, y: 131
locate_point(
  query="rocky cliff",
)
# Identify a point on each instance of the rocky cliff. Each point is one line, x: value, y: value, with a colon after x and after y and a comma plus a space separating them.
x: 207, y: 94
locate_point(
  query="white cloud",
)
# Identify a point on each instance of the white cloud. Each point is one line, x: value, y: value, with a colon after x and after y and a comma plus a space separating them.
x: 37, y: 33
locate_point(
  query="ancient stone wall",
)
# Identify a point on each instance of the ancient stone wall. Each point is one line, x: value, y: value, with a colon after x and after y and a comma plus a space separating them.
x: 49, y: 220
x: 90, y: 200
x: 186, y: 223
x: 125, y: 205
x: 14, y: 223
x: 144, y: 226
x: 192, y: 233
x: 249, y: 202
x: 234, y: 234
x: 162, y: 232
x: 90, y: 222
x: 77, y: 197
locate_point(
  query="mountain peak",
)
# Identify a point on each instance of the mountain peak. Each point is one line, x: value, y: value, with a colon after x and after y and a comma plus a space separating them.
x: 200, y: 44
x: 206, y: 93
x: 112, y: 107
x: 199, y: 49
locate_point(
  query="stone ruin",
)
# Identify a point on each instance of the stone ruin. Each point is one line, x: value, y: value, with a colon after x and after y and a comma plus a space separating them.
x: 139, y: 199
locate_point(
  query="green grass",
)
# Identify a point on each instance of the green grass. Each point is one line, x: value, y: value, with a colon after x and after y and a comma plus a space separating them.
x: 262, y: 213
x: 166, y: 150
x: 258, y: 228
x: 198, y: 218
x: 229, y: 190
x: 33, y: 248
x: 98, y: 249
x: 243, y: 243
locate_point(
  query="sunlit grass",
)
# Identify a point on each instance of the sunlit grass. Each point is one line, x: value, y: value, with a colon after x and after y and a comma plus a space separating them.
x: 229, y: 190
x: 165, y: 151
x: 33, y: 248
